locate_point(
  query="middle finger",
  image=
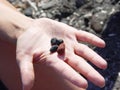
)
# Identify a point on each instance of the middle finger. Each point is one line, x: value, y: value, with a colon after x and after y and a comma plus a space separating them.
x: 89, y: 54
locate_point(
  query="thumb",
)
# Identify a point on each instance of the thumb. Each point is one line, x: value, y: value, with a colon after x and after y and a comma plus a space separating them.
x: 26, y: 70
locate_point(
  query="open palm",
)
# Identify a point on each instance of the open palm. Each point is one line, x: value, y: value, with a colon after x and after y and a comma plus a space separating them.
x: 34, y: 44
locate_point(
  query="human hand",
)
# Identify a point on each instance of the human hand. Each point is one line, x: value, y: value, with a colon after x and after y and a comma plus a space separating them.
x: 34, y: 45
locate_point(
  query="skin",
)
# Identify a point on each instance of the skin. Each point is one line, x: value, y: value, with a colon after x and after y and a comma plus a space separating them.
x: 46, y: 78
x: 28, y: 40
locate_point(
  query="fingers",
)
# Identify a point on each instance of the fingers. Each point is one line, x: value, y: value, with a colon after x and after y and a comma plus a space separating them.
x: 66, y: 71
x: 85, y: 69
x: 26, y: 71
x: 90, y: 38
x: 90, y: 55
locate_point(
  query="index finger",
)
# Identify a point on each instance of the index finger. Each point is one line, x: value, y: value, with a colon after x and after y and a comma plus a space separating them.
x: 89, y: 37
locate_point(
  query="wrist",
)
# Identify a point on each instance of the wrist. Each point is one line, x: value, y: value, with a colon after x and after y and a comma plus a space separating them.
x: 22, y: 26
x: 12, y: 24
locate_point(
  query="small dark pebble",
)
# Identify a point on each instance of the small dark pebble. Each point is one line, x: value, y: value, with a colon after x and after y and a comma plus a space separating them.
x: 53, y: 48
x: 60, y: 41
x: 55, y: 41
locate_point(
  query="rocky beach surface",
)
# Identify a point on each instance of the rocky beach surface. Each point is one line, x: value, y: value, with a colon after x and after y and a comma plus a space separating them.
x: 100, y: 17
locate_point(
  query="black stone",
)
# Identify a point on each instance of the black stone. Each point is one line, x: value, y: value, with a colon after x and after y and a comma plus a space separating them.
x: 54, y: 41
x: 59, y: 41
x: 53, y: 48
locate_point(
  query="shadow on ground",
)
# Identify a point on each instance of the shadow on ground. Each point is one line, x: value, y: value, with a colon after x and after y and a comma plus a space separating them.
x: 111, y: 53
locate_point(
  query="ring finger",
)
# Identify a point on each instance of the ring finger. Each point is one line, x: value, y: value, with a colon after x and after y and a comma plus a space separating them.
x: 85, y: 69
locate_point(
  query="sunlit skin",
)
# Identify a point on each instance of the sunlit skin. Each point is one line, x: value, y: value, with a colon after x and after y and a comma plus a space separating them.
x: 26, y: 59
x: 29, y: 47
